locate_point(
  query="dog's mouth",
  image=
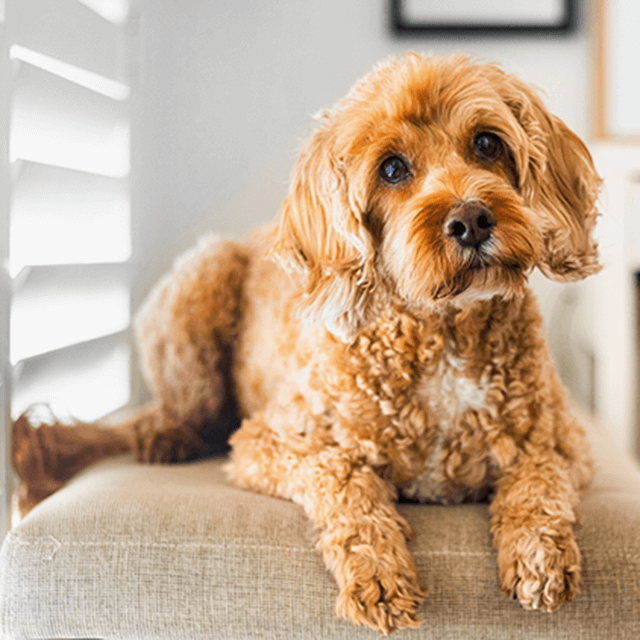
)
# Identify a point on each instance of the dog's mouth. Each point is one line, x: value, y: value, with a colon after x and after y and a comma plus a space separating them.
x: 478, y: 260
x: 480, y: 271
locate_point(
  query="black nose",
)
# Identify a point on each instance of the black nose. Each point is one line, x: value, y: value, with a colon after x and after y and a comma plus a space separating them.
x: 470, y: 224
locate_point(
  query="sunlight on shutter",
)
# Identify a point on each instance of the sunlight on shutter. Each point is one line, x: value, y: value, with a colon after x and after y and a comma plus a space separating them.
x: 55, y: 121
x: 61, y: 216
x: 83, y: 382
x: 95, y: 82
x: 76, y: 304
x: 72, y: 32
x: 115, y: 11
x: 70, y: 204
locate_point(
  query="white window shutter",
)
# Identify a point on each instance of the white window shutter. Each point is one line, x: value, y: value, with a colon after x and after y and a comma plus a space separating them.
x: 5, y: 285
x: 70, y: 206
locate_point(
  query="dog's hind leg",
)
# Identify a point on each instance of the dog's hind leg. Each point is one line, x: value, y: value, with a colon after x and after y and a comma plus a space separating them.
x: 186, y: 330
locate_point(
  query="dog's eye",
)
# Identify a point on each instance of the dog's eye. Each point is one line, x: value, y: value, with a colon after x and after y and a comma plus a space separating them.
x: 394, y: 170
x: 488, y: 146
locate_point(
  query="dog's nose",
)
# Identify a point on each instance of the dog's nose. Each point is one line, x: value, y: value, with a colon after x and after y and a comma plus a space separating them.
x: 470, y: 224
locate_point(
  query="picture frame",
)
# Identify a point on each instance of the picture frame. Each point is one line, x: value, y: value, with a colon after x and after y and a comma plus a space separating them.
x: 421, y: 17
x: 616, y: 56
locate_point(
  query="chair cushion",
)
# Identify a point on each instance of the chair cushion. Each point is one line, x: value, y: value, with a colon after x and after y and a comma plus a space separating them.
x: 130, y: 551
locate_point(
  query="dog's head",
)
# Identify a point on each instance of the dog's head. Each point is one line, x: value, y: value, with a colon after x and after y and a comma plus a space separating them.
x: 436, y: 181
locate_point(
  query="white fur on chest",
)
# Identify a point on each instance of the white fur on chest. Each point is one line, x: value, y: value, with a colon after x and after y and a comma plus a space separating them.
x: 449, y: 392
x: 445, y: 395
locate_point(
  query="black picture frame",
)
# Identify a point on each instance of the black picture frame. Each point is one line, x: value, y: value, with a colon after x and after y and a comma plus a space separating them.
x: 402, y: 25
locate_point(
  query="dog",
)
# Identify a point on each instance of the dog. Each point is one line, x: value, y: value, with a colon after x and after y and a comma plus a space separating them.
x: 381, y: 337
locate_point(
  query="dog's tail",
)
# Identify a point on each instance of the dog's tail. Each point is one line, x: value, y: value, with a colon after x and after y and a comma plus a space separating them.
x: 46, y: 452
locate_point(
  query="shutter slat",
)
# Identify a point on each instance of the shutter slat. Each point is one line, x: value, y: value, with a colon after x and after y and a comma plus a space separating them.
x: 57, y: 122
x: 70, y: 31
x: 64, y: 306
x: 87, y: 381
x: 115, y: 11
x: 63, y: 216
x: 105, y: 86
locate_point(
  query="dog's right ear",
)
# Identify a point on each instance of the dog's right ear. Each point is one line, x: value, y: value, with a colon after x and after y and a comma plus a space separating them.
x: 322, y: 241
x: 560, y: 182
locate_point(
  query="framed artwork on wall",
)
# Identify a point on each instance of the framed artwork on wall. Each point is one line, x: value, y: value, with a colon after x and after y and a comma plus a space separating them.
x: 617, y: 75
x: 413, y: 17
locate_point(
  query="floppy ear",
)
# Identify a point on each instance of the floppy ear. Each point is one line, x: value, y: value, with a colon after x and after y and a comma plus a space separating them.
x: 322, y: 240
x: 561, y: 184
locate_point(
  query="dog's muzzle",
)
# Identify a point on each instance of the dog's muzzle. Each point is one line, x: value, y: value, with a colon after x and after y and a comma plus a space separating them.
x: 470, y: 224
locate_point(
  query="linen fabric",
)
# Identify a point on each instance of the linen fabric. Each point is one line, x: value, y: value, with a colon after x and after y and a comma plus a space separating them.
x: 135, y: 552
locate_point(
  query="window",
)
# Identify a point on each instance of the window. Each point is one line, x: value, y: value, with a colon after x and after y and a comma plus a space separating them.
x: 67, y: 216
x: 5, y: 284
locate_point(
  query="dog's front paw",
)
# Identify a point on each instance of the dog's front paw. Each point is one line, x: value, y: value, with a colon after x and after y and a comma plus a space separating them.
x: 540, y: 567
x: 380, y: 591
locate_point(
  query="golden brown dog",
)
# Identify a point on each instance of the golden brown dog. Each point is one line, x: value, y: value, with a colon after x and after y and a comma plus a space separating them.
x: 388, y: 340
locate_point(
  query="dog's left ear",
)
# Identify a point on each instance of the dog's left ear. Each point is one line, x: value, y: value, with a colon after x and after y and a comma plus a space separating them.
x: 560, y: 183
x: 322, y: 239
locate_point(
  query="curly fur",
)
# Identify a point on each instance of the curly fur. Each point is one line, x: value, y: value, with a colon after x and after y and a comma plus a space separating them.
x: 369, y: 353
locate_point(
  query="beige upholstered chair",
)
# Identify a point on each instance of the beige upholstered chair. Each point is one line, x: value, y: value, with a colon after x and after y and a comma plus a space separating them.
x: 129, y: 551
